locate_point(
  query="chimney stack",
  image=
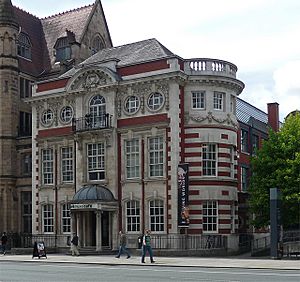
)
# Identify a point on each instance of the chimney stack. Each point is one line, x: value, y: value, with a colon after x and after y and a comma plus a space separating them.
x: 273, y: 116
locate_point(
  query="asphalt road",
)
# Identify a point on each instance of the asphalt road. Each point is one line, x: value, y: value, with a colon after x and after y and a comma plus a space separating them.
x: 36, y: 271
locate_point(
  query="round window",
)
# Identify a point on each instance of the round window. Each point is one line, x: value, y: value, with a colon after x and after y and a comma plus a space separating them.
x: 47, y: 117
x: 66, y: 114
x: 155, y: 101
x: 132, y: 104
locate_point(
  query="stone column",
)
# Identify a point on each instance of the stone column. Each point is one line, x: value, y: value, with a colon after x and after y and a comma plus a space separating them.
x: 98, y: 231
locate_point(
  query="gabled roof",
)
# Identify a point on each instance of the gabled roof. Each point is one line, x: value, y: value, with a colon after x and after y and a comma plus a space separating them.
x: 56, y: 26
x: 133, y: 53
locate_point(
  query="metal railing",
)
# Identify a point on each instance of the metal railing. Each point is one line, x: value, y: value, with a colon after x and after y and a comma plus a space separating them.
x: 90, y: 122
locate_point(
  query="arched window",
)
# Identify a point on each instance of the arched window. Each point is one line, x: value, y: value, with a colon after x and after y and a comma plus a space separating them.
x: 63, y: 49
x: 156, y: 213
x: 24, y: 46
x: 98, y: 111
x: 97, y: 44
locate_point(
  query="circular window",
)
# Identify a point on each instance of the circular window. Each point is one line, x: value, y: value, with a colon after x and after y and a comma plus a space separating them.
x: 132, y: 104
x: 47, y: 117
x: 155, y: 101
x: 66, y: 114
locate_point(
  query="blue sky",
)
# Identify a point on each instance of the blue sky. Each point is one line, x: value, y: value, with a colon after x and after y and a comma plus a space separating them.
x: 260, y: 36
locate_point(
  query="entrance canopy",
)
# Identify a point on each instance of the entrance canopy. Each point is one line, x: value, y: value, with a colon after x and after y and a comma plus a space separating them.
x: 94, y: 197
x: 93, y: 193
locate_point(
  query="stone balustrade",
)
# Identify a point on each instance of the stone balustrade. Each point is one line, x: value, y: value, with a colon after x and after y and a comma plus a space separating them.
x: 203, y: 66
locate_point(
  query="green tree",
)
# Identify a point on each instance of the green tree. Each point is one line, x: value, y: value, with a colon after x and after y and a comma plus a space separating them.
x: 277, y: 164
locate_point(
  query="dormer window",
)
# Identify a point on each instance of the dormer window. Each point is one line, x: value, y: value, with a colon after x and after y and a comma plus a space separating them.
x: 63, y: 49
x: 24, y: 46
x: 97, y: 44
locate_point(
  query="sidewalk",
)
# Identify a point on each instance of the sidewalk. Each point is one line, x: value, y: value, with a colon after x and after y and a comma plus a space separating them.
x: 163, y: 261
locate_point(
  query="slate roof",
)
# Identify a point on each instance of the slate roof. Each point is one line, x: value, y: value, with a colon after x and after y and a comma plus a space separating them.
x: 133, y: 53
x: 56, y: 26
x: 128, y: 54
x: 245, y: 112
x: 44, y: 33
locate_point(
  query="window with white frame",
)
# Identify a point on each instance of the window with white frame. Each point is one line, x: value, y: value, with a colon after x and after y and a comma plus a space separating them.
x: 47, y: 166
x: 209, y: 159
x: 66, y: 114
x: 156, y: 156
x: 156, y: 213
x: 98, y: 111
x: 133, y: 216
x: 155, y: 101
x: 47, y: 117
x: 132, y: 104
x: 198, y: 100
x: 96, y: 161
x: 48, y: 218
x: 132, y: 158
x: 210, y: 216
x: 218, y: 100
x: 67, y: 164
x: 244, y: 140
x: 244, y: 178
x: 66, y: 218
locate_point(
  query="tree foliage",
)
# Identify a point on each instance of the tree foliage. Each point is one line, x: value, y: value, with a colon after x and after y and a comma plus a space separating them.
x: 277, y: 164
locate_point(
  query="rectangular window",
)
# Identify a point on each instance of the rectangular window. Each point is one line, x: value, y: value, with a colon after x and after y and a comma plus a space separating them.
x: 198, y: 100
x: 96, y: 161
x: 244, y: 140
x: 255, y: 143
x: 66, y: 218
x: 209, y: 159
x: 26, y: 164
x: 48, y: 219
x: 219, y: 101
x: 26, y: 212
x: 67, y: 164
x: 132, y: 158
x: 232, y: 162
x: 156, y: 211
x: 133, y: 216
x: 47, y: 166
x: 210, y: 217
x: 156, y: 156
x: 244, y: 180
x: 24, y: 124
x: 25, y: 87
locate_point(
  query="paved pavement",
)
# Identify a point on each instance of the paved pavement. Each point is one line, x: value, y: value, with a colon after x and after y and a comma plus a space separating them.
x: 231, y: 262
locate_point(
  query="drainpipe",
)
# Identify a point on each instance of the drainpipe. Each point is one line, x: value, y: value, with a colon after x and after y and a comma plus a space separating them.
x: 55, y: 195
x: 143, y: 186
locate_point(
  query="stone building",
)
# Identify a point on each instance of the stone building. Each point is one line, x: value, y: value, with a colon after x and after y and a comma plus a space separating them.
x: 110, y: 135
x: 128, y: 137
x: 33, y: 49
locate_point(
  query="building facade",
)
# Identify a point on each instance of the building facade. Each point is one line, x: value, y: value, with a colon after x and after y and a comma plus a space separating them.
x: 33, y: 49
x: 109, y: 136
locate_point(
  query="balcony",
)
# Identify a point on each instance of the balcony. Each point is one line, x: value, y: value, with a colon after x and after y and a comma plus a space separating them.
x: 202, y: 66
x: 90, y: 122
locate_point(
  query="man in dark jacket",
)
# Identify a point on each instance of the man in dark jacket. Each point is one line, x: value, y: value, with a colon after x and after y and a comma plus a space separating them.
x: 4, y: 242
x: 74, y: 246
x: 122, y: 247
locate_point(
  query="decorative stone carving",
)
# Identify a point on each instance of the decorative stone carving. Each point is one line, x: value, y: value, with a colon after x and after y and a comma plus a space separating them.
x: 210, y: 117
x: 164, y: 89
x: 141, y: 91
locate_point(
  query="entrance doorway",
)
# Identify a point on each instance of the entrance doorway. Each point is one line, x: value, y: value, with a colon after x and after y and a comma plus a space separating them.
x: 105, y: 229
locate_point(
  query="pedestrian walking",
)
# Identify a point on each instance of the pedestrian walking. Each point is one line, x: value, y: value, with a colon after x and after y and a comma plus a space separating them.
x: 74, y: 245
x: 4, y: 242
x: 122, y: 245
x: 147, y: 247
